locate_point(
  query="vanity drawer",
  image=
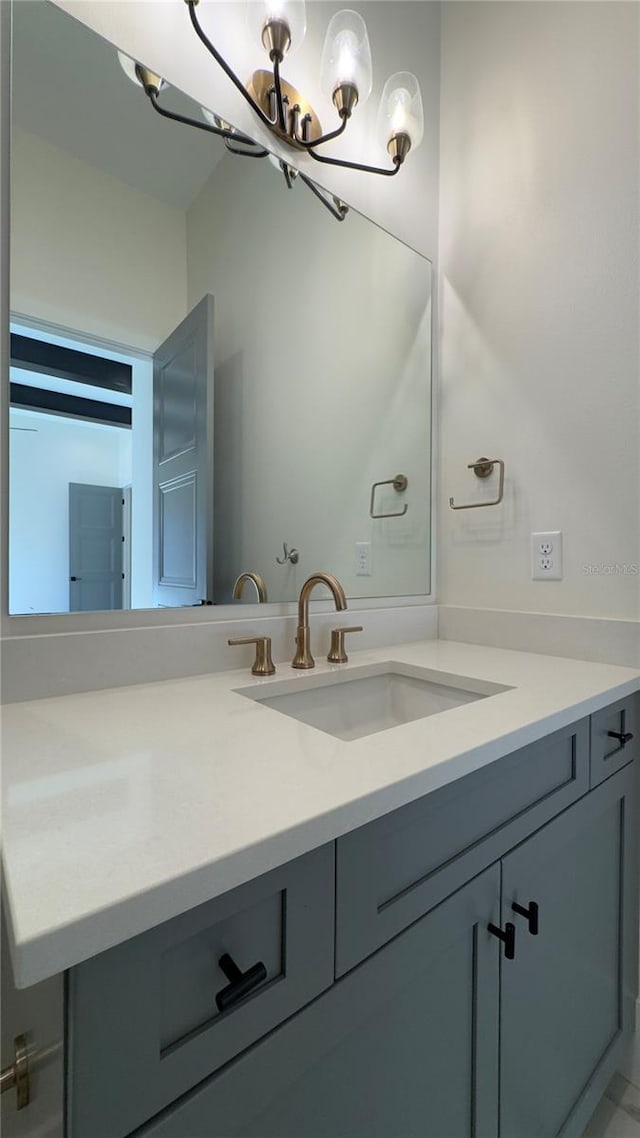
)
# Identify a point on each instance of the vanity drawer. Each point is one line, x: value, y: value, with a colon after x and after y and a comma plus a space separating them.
x: 144, y: 1023
x: 609, y: 754
x: 393, y: 870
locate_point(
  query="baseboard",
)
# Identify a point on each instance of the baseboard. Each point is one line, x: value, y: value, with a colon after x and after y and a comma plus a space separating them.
x: 598, y: 1084
x: 631, y: 1066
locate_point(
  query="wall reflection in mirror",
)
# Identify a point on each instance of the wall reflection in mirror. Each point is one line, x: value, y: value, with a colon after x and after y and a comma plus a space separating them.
x: 209, y: 372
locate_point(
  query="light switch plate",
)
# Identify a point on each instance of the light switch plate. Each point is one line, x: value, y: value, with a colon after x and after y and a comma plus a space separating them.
x: 363, y: 559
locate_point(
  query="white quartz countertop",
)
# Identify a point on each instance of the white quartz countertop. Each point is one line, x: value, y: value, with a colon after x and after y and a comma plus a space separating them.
x: 126, y: 807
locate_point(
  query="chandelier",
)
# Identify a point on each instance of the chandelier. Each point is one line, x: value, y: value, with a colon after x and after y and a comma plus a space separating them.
x: 346, y: 79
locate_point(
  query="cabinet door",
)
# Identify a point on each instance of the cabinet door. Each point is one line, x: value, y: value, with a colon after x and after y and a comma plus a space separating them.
x: 404, y: 1047
x: 566, y: 1003
x: 146, y: 1023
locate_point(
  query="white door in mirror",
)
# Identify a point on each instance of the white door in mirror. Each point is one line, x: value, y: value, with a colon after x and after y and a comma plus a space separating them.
x: 546, y: 556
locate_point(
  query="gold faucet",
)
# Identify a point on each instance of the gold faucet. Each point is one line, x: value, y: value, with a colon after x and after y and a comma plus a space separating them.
x: 258, y: 581
x: 303, y: 657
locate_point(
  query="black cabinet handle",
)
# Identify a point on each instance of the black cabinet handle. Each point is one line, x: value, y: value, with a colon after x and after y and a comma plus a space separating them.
x: 623, y: 737
x: 75, y: 578
x: 531, y: 913
x: 508, y: 938
x: 240, y: 983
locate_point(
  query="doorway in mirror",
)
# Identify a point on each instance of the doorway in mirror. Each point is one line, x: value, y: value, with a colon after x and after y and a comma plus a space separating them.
x: 73, y: 453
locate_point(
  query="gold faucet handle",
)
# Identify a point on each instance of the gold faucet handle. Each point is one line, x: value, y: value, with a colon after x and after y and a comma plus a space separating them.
x: 263, y: 665
x: 337, y: 654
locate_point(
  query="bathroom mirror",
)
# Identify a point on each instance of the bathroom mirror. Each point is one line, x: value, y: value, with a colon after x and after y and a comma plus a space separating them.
x: 288, y: 427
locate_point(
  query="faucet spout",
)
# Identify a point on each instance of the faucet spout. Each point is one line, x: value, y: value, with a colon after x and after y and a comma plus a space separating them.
x: 257, y: 580
x: 303, y: 657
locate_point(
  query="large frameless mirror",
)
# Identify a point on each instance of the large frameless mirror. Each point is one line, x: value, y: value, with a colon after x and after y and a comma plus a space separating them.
x: 210, y: 374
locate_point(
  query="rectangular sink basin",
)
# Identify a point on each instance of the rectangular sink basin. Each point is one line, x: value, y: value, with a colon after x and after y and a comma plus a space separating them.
x: 364, y: 701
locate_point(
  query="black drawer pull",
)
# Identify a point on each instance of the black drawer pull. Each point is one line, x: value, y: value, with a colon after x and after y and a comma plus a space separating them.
x: 623, y: 737
x: 508, y: 937
x: 240, y: 983
x: 531, y: 913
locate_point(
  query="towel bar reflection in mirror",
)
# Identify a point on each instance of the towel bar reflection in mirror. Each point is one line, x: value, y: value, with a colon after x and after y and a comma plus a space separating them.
x: 399, y: 483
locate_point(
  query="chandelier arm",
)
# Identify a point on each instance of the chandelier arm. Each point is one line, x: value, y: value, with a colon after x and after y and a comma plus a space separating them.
x: 310, y: 143
x: 287, y: 176
x: 191, y: 4
x: 245, y: 152
x: 339, y: 212
x: 355, y: 165
x: 280, y: 115
x: 207, y: 127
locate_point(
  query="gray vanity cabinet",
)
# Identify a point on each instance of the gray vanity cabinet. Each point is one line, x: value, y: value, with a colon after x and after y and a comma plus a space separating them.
x: 440, y: 1033
x: 563, y: 999
x: 405, y: 1045
x: 388, y: 1007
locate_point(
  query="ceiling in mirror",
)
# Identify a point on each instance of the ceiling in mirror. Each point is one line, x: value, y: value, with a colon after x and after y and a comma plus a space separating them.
x: 209, y: 376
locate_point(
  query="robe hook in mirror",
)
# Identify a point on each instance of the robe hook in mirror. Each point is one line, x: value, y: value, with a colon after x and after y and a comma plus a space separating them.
x: 291, y: 555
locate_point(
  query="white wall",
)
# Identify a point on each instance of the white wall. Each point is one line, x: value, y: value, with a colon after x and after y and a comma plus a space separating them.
x: 539, y: 301
x: 90, y: 253
x: 322, y: 386
x: 47, y: 453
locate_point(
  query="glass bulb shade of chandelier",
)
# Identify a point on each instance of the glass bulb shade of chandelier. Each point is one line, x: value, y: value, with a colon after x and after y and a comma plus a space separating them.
x: 400, y: 116
x: 278, y: 25
x: 346, y: 60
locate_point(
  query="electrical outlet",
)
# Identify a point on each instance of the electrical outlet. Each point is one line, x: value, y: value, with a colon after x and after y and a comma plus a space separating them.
x: 546, y: 556
x: 363, y: 559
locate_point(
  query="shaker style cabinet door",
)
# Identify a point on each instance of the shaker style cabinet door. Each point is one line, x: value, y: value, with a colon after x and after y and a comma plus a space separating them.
x: 566, y: 997
x: 154, y: 1016
x: 406, y: 1046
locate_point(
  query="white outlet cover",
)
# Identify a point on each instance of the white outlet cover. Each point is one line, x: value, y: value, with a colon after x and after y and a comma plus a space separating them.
x: 546, y: 556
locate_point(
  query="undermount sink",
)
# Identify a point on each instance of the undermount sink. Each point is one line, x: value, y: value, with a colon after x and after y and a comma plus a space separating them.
x: 363, y: 701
